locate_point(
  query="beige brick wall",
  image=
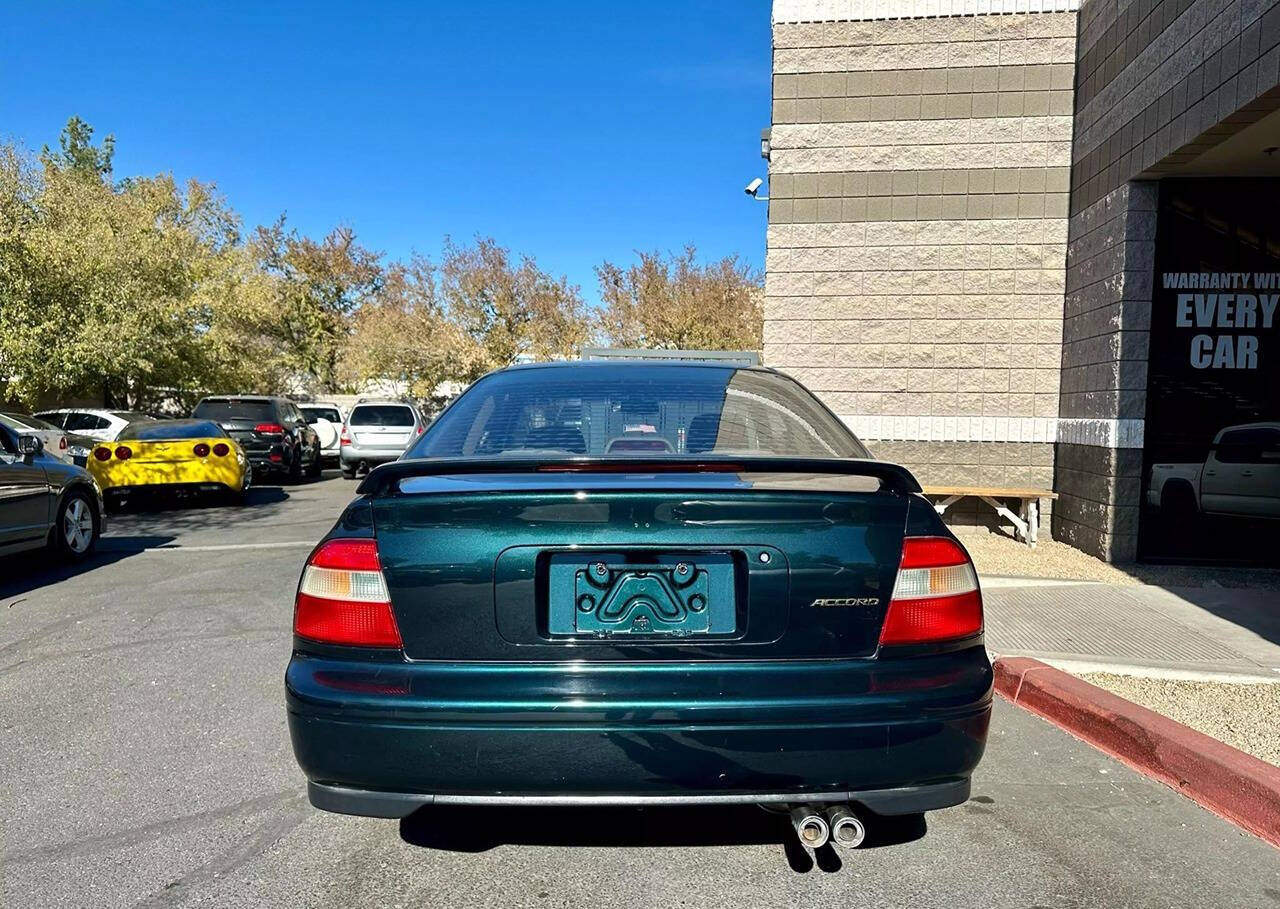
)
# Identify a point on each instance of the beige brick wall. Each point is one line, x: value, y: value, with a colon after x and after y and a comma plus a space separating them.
x: 918, y: 228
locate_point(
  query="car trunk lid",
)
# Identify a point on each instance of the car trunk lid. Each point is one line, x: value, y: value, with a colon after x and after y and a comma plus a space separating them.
x: 624, y: 562
x: 171, y: 452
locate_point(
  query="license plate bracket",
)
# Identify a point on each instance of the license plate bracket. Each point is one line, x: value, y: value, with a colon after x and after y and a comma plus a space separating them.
x: 609, y: 594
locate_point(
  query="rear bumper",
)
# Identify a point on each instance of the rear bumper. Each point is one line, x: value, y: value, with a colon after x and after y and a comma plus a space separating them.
x: 384, y: 739
x: 141, y: 489
x: 170, y: 477
x: 275, y: 460
x: 353, y: 456
x: 889, y: 802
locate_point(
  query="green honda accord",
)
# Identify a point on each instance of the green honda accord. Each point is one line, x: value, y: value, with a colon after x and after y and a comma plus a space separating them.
x: 634, y: 583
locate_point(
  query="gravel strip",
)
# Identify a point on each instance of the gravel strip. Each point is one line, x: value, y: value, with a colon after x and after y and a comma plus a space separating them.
x: 998, y: 555
x: 1242, y: 716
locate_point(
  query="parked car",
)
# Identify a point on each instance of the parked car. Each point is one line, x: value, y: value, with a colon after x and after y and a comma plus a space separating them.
x: 326, y: 420
x: 55, y: 442
x: 52, y: 439
x: 45, y: 502
x: 271, y: 430
x: 93, y: 423
x: 1239, y: 477
x: 744, y: 608
x: 171, y: 455
x: 377, y: 431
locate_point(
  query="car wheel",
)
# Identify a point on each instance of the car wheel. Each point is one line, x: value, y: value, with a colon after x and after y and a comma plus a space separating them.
x: 75, y: 533
x: 317, y: 466
x: 295, y: 468
x: 1178, y: 500
x: 348, y: 473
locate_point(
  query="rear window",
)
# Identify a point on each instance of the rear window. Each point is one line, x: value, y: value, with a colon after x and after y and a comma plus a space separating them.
x: 381, y: 415
x: 258, y: 411
x: 23, y: 421
x: 169, y: 430
x: 637, y: 410
x: 322, y: 413
x: 1254, y: 445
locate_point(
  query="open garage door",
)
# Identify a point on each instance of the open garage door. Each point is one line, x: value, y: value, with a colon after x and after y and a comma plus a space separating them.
x: 1212, y: 438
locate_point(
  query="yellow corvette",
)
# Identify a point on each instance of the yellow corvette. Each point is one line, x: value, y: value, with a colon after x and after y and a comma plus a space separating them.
x: 172, y: 455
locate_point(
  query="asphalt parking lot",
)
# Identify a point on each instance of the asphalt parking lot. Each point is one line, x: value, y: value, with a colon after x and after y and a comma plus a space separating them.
x: 144, y: 761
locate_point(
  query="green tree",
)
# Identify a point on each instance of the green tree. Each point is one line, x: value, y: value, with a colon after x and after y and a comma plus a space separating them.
x: 98, y: 285
x: 510, y: 308
x: 677, y: 303
x: 319, y: 285
x: 405, y: 335
x: 78, y: 154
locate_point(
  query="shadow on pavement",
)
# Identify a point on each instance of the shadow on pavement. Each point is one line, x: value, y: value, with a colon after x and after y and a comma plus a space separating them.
x: 167, y: 512
x: 1256, y: 610
x: 28, y: 571
x: 479, y: 829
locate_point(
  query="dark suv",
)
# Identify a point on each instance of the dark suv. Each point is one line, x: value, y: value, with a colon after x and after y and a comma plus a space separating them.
x: 272, y: 431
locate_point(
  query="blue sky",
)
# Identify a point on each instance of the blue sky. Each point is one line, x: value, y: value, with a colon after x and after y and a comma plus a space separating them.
x: 572, y: 130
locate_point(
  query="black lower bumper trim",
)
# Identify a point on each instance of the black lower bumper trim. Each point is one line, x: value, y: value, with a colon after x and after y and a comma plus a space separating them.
x: 372, y: 803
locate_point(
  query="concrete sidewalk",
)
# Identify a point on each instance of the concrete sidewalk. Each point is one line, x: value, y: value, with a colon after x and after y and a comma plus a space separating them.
x: 1177, y: 632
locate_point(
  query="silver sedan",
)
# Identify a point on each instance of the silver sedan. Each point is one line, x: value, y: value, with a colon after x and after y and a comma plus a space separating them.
x: 45, y: 502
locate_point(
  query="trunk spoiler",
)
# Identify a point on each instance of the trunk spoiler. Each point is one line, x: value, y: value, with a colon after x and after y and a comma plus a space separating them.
x: 384, y: 479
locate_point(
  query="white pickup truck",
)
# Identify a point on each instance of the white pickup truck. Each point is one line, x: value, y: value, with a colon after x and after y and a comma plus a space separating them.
x: 1240, y: 476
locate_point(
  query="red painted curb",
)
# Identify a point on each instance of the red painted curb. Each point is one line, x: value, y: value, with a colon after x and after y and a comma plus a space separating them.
x: 1236, y: 786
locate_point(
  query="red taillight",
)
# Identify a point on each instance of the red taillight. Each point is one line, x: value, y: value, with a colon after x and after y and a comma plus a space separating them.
x: 124, y: 453
x: 62, y: 443
x: 932, y: 552
x: 269, y: 428
x: 343, y: 597
x: 201, y: 450
x: 345, y: 438
x: 348, y: 555
x: 102, y: 454
x: 276, y: 458
x: 419, y: 430
x: 936, y: 596
x: 221, y: 450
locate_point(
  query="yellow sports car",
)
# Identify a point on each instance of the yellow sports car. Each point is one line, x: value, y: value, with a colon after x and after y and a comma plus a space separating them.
x: 174, y: 455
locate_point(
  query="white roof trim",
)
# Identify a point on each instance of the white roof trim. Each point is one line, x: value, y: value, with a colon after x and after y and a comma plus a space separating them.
x: 867, y: 10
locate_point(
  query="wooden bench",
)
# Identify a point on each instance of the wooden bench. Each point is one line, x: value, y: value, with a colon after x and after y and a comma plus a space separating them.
x: 1026, y: 523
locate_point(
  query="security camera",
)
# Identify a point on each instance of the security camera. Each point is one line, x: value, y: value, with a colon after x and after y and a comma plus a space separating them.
x: 754, y: 186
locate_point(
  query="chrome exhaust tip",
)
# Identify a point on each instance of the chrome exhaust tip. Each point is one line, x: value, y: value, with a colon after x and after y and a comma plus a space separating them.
x: 847, y: 829
x: 810, y: 827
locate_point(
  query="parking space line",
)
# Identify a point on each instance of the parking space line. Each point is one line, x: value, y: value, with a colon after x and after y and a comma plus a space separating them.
x: 227, y: 547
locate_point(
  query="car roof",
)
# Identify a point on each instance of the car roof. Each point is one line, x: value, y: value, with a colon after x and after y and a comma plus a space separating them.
x: 263, y: 399
x: 626, y: 363
x: 1263, y: 425
x: 96, y: 411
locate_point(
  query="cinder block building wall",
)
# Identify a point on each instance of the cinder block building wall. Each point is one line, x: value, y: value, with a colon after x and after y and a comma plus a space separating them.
x: 1160, y: 84
x: 916, y: 266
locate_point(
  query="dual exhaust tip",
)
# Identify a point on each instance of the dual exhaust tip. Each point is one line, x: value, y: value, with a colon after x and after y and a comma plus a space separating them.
x: 816, y: 827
